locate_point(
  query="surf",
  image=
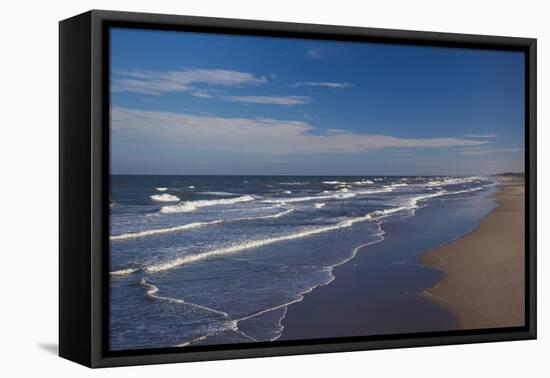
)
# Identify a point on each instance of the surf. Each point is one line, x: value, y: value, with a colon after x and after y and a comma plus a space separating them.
x: 190, y: 226
x: 164, y: 198
x: 189, y: 206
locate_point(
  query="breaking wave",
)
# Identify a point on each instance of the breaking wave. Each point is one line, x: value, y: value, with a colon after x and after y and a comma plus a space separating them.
x: 190, y: 226
x: 178, y: 261
x: 188, y: 206
x: 164, y: 198
x: 411, y: 204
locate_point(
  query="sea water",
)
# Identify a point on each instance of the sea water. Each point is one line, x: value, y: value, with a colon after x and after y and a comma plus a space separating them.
x: 198, y: 260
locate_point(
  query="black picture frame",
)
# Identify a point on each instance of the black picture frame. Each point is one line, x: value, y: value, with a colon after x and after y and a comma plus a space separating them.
x: 84, y: 187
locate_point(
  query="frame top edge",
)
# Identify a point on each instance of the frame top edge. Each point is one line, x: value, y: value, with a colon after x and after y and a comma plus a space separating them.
x: 425, y: 36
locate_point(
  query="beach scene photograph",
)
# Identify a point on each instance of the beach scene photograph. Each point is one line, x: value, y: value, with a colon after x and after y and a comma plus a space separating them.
x: 269, y: 189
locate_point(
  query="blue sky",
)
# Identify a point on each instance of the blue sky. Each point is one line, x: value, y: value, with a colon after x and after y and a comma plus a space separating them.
x: 191, y: 103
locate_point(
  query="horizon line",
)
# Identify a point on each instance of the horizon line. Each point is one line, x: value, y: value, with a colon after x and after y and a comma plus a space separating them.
x: 310, y: 175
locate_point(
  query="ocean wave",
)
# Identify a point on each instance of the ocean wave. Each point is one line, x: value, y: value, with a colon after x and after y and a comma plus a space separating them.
x: 188, y: 206
x: 190, y: 226
x: 218, y: 193
x: 374, y: 191
x: 152, y: 292
x: 250, y: 244
x: 413, y: 202
x: 334, y: 182
x: 397, y: 185
x: 470, y: 190
x: 455, y: 181
x: 342, y: 193
x: 164, y: 198
x: 333, y: 195
x: 294, y: 183
x: 123, y: 272
x: 159, y: 231
x: 411, y: 205
x: 320, y: 205
x: 378, y: 214
x: 161, y: 189
x: 363, y: 182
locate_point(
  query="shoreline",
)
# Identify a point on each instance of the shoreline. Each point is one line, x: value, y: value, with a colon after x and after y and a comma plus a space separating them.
x: 484, y: 282
x: 380, y: 291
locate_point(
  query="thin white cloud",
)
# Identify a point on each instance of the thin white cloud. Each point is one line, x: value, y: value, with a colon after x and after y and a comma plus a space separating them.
x: 253, y: 136
x: 159, y: 82
x: 315, y: 53
x: 322, y: 84
x: 491, y: 151
x: 480, y: 135
x: 201, y: 94
x: 270, y: 100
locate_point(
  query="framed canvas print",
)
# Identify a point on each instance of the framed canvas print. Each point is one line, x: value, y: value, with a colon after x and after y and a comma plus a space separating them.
x: 234, y: 188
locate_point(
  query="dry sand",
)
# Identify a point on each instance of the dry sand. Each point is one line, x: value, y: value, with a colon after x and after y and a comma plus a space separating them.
x: 484, y: 284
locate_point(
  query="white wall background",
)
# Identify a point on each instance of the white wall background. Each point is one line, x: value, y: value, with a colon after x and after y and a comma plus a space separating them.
x: 28, y: 211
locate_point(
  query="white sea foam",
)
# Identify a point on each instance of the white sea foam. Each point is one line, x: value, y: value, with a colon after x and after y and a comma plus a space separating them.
x: 342, y: 193
x: 413, y: 202
x: 123, y: 272
x: 182, y: 260
x: 374, y: 191
x: 411, y: 205
x: 294, y: 183
x: 152, y: 291
x: 287, y: 192
x: 218, y: 193
x: 387, y: 212
x: 469, y: 190
x: 159, y: 231
x: 164, y: 198
x: 334, y: 182
x: 363, y: 182
x: 188, y: 206
x: 454, y: 181
x: 190, y: 226
x: 161, y: 189
x: 333, y: 195
x: 320, y: 205
x: 397, y: 185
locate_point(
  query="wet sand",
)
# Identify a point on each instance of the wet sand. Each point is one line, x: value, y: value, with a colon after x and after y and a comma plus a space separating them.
x: 484, y: 283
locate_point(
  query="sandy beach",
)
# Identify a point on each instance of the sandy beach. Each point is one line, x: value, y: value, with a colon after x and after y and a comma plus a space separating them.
x: 484, y: 283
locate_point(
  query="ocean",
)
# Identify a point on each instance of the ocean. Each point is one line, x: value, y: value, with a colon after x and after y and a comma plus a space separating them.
x: 198, y: 260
